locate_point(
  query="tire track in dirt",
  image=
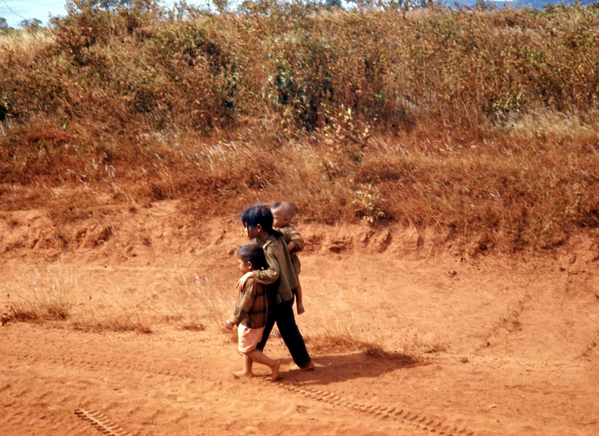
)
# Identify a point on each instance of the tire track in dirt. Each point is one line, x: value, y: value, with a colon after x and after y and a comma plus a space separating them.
x: 91, y: 362
x: 101, y: 422
x: 401, y: 414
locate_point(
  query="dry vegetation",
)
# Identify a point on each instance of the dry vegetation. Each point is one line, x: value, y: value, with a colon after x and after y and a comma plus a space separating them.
x: 482, y: 123
x: 54, y: 295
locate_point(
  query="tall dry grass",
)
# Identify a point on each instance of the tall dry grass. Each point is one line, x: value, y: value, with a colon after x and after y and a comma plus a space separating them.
x: 337, y: 327
x: 56, y: 294
x: 185, y: 301
x: 42, y: 296
x: 482, y: 123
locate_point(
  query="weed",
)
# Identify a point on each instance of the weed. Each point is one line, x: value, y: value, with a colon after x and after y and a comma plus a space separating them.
x: 331, y: 342
x: 45, y: 296
x: 343, y: 333
x: 368, y: 204
x: 122, y: 323
x: 193, y: 326
x: 193, y: 303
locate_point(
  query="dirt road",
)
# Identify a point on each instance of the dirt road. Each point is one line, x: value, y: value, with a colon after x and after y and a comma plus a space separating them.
x: 409, y: 338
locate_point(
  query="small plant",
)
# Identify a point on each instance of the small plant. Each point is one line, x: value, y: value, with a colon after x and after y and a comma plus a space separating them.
x: 343, y: 333
x: 121, y: 323
x: 193, y: 326
x: 44, y: 297
x: 193, y: 303
x: 330, y: 342
x: 368, y: 203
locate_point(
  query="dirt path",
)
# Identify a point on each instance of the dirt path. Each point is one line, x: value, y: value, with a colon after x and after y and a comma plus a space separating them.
x: 505, y: 346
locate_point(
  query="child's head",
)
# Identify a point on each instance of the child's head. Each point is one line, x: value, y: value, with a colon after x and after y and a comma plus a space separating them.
x: 282, y: 212
x: 251, y: 257
x: 257, y: 218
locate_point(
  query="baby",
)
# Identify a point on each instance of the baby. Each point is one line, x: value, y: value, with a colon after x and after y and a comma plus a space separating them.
x: 283, y: 213
x: 251, y: 311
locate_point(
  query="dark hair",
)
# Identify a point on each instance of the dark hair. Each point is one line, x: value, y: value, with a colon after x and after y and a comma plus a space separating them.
x: 257, y: 214
x: 253, y: 253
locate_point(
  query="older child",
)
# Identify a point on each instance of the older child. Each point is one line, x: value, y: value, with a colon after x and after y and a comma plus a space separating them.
x: 283, y: 213
x: 280, y: 275
x: 251, y: 311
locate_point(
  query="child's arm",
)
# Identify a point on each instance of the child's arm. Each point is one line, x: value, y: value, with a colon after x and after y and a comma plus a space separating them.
x: 245, y: 304
x: 295, y: 242
x: 287, y: 237
x: 300, y: 300
x: 270, y: 275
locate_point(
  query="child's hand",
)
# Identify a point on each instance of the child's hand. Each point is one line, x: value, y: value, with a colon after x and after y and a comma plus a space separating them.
x: 300, y: 308
x: 247, y: 275
x: 229, y: 325
x: 291, y: 246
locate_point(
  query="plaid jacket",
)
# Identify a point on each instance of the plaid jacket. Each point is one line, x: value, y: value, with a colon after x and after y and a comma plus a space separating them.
x: 252, y: 306
x: 292, y: 235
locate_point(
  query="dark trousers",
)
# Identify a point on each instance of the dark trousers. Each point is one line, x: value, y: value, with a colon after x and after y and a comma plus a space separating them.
x: 283, y: 315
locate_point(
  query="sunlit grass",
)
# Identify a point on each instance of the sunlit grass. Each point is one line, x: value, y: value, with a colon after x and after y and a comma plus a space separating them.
x: 478, y: 123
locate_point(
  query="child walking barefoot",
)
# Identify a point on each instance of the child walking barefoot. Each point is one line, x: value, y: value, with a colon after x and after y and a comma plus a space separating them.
x: 251, y: 312
x: 280, y: 278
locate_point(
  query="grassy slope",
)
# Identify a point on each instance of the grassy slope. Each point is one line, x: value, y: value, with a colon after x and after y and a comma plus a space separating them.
x: 477, y: 122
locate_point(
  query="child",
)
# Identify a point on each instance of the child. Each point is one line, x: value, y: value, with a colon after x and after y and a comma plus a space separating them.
x: 251, y: 311
x: 280, y: 275
x: 283, y: 213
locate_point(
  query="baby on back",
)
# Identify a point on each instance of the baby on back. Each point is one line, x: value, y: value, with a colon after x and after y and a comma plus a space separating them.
x: 283, y: 213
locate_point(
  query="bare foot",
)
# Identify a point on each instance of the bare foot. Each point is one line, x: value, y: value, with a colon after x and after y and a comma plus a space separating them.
x: 300, y: 308
x: 275, y: 371
x: 242, y: 374
x: 308, y: 367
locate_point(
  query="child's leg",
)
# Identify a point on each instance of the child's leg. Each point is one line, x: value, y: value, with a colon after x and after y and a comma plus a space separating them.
x: 247, y: 368
x: 291, y: 335
x: 258, y: 356
x: 270, y: 322
x: 298, y: 296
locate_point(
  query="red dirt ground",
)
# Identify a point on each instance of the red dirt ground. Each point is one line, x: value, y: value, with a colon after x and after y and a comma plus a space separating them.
x: 507, y: 345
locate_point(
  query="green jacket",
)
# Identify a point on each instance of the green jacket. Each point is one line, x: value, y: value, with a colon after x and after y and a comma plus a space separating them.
x: 280, y: 273
x: 292, y: 235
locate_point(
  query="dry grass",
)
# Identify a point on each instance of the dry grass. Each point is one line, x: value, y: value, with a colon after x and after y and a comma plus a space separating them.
x: 26, y: 42
x: 478, y: 123
x: 44, y: 296
x: 32, y: 312
x: 331, y: 342
x: 193, y: 302
x: 123, y: 323
x: 337, y: 329
x: 54, y: 294
x: 187, y: 302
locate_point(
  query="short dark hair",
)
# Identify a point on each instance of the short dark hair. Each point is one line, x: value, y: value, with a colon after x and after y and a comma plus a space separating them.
x: 253, y: 253
x: 258, y: 214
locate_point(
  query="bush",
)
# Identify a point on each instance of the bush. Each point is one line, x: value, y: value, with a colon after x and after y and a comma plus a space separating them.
x: 468, y: 120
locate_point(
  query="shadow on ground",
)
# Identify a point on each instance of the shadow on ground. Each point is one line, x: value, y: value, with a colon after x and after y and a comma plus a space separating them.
x: 336, y: 368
